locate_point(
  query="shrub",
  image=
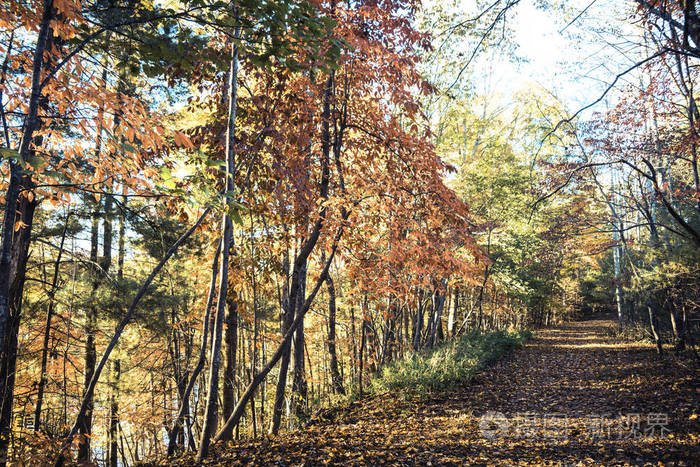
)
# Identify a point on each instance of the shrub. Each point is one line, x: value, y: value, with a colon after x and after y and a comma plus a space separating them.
x: 449, y: 365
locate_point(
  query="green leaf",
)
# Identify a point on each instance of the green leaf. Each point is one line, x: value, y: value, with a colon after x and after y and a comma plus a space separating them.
x: 238, y: 205
x: 236, y: 217
x: 165, y: 172
x: 34, y: 161
x: 7, y: 153
x: 214, y: 163
x: 126, y: 147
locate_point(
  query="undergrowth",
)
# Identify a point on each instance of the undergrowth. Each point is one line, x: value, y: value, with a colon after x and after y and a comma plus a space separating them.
x: 449, y: 365
x: 631, y: 332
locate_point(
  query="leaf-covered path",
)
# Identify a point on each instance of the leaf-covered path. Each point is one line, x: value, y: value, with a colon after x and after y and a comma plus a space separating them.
x: 572, y: 395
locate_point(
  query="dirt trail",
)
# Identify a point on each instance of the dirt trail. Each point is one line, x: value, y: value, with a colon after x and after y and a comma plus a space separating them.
x: 571, y: 396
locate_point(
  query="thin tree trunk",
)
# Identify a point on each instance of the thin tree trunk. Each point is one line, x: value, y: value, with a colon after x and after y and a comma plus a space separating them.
x: 654, y: 324
x: 619, y: 300
x: 206, y: 317
x: 418, y: 327
x: 118, y: 332
x: 113, y: 435
x: 230, y: 341
x: 299, y: 386
x: 90, y: 351
x: 336, y: 379
x: 677, y: 327
x: 353, y: 332
x: 363, y: 334
x: 437, y: 320
x: 287, y: 319
x: 254, y: 351
x: 47, y: 329
x: 302, y: 257
x: 122, y: 236
x: 227, y: 240
x: 454, y: 303
x: 91, y: 326
x: 235, y: 417
x: 114, y: 415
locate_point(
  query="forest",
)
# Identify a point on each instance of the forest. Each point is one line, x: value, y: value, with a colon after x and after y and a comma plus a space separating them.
x: 227, y: 221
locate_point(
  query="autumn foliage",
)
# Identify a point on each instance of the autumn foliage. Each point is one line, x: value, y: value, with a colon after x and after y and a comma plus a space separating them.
x: 222, y: 216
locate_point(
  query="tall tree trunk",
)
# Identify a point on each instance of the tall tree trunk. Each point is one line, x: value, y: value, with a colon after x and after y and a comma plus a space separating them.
x: 235, y: 417
x: 283, y: 349
x: 17, y: 270
x: 15, y: 242
x: 363, y: 339
x: 299, y: 386
x: 288, y: 300
x: 47, y: 329
x: 655, y: 243
x: 228, y: 400
x: 184, y: 400
x: 227, y: 241
x: 175, y: 361
x: 91, y: 351
x: 301, y: 260
x: 336, y: 379
x: 256, y: 332
x: 126, y: 319
x: 112, y: 454
x: 454, y: 304
x: 619, y: 298
x: 90, y: 328
x: 299, y: 263
x: 113, y: 435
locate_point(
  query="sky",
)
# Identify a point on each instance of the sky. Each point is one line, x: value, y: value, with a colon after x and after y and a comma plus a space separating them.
x: 573, y: 51
x: 575, y: 61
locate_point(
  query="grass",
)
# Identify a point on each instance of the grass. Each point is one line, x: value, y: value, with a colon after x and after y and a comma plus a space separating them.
x: 449, y: 365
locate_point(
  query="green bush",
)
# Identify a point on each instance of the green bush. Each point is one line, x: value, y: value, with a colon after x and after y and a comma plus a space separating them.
x: 449, y: 365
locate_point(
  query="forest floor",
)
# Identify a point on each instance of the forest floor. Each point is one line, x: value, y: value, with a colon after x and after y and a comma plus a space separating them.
x: 572, y: 395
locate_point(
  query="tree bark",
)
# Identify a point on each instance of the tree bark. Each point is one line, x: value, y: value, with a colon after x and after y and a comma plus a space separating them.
x: 230, y: 340
x: 439, y: 303
x: 363, y: 334
x: 113, y: 452
x: 47, y: 329
x: 90, y: 351
x: 182, y: 412
x: 287, y: 319
x: 654, y: 324
x: 14, y: 250
x: 454, y: 304
x: 418, y: 326
x: 299, y: 386
x: 227, y: 239
x: 336, y: 379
